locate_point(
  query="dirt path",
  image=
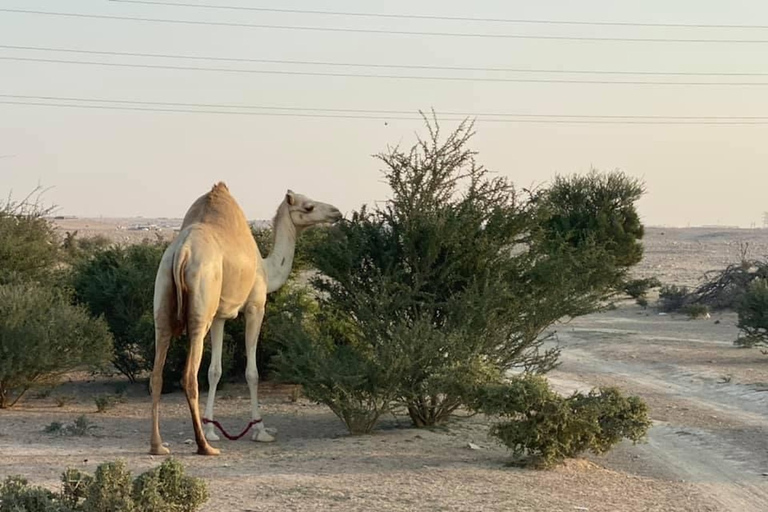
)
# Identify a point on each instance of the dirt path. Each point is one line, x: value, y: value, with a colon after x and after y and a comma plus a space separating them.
x: 711, y: 414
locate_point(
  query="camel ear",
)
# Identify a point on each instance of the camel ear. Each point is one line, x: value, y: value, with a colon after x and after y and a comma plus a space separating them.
x: 289, y: 197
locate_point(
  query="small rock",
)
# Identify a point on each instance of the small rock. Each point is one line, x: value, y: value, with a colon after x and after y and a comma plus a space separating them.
x: 580, y: 508
x: 662, y: 314
x: 473, y: 446
x: 166, y: 444
x: 188, y: 441
x: 763, y: 474
x: 717, y: 322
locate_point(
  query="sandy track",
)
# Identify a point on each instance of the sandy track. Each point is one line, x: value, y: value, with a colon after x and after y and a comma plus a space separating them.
x: 719, y: 438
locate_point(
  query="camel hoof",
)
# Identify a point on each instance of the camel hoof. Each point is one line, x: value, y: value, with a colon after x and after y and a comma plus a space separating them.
x: 159, y: 450
x: 208, y: 450
x: 261, y: 436
x: 210, y: 434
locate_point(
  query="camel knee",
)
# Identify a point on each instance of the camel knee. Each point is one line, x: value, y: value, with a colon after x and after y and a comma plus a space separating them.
x: 214, y: 374
x: 252, y: 375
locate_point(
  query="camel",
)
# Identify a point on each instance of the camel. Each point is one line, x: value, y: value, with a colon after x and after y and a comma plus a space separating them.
x: 210, y: 273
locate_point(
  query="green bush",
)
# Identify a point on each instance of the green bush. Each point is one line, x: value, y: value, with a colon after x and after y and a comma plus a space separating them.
x: 111, y: 489
x: 43, y: 336
x: 673, y: 298
x: 448, y: 285
x: 105, y: 402
x: 695, y: 311
x: 168, y: 489
x: 596, y: 212
x: 118, y: 284
x: 547, y: 428
x: 753, y: 315
x: 638, y: 288
x: 28, y: 242
x: 16, y: 495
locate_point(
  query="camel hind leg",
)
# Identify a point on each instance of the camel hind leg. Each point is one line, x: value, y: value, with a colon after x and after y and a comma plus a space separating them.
x: 162, y: 342
x: 164, y: 313
x: 196, y: 342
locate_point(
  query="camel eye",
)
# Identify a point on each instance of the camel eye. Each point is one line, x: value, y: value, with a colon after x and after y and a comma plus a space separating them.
x: 309, y: 208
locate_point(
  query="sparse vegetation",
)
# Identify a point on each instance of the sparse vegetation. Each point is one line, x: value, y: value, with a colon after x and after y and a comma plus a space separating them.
x: 64, y: 400
x: 82, y: 426
x: 105, y: 402
x: 695, y: 311
x: 638, y: 288
x: 673, y: 298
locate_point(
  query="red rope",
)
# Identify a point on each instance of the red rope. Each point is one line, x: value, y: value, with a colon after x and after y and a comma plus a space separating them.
x: 230, y: 437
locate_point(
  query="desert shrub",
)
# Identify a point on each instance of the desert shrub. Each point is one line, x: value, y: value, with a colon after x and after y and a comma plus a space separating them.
x: 639, y: 288
x: 695, y: 311
x: 43, y: 336
x: 82, y: 426
x: 105, y: 402
x: 16, y: 495
x: 547, y: 428
x: 63, y: 400
x: 642, y: 302
x: 74, y: 487
x: 76, y: 248
x: 118, y: 284
x: 753, y: 315
x: 112, y: 489
x: 28, y: 242
x: 450, y: 283
x: 673, y: 298
x: 596, y: 212
x: 168, y: 489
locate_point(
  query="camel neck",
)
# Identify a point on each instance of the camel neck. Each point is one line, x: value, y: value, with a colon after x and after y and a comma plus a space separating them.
x: 280, y: 260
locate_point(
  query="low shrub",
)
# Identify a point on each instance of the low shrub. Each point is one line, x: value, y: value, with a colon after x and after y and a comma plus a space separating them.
x: 673, y: 298
x: 105, y: 402
x: 695, y: 311
x: 638, y: 288
x: 111, y: 489
x: 753, y: 315
x: 82, y: 426
x: 547, y: 428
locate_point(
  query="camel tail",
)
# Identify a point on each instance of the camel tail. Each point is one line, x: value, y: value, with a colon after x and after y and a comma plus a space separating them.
x: 180, y: 259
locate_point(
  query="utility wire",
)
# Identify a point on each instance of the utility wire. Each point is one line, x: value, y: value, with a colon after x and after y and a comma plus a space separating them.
x: 482, y: 35
x: 375, y: 112
x: 392, y: 77
x: 444, y: 18
x: 374, y: 65
x: 701, y: 122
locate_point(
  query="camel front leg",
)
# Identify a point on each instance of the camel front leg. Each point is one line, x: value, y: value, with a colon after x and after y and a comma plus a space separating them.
x: 214, y: 375
x: 254, y: 316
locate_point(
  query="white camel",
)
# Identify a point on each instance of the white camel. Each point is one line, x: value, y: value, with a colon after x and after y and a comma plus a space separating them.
x: 211, y: 272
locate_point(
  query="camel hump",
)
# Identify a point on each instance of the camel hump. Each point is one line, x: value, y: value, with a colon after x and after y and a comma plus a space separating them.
x: 220, y: 186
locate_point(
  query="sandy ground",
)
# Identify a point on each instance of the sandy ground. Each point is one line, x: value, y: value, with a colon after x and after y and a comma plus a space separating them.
x: 707, y: 450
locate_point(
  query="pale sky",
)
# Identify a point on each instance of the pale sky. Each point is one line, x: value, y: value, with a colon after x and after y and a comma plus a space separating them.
x: 128, y: 163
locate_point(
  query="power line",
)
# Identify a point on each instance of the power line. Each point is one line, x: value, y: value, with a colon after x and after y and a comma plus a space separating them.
x: 375, y: 65
x: 444, y: 18
x: 699, y: 122
x: 374, y: 111
x: 482, y: 35
x: 392, y: 77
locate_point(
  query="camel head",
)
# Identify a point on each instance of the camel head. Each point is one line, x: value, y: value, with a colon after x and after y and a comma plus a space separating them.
x: 307, y: 212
